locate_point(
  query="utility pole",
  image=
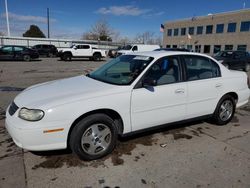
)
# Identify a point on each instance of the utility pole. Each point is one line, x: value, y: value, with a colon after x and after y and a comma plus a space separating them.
x: 48, y: 22
x: 7, y: 18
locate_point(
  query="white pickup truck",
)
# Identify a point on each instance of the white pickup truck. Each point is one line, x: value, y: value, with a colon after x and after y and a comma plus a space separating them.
x: 81, y: 51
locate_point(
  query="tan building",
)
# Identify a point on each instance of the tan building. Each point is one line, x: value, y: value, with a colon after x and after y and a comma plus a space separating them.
x: 210, y: 34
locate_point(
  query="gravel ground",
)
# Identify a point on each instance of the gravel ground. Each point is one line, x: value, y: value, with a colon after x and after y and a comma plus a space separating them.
x: 198, y: 154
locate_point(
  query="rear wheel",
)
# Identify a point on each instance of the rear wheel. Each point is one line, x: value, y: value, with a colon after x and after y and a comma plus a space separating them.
x: 93, y: 137
x: 247, y: 67
x: 26, y: 58
x: 97, y: 57
x: 224, y: 111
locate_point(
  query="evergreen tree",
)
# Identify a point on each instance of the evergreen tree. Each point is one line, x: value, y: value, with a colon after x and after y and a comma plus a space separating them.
x: 34, y: 31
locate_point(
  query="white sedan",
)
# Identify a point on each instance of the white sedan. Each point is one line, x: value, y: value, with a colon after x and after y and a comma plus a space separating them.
x: 130, y: 93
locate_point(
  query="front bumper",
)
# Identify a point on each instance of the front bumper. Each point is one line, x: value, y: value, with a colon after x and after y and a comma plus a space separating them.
x: 33, y: 138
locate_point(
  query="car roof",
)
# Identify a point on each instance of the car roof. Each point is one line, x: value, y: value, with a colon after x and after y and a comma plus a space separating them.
x: 159, y: 54
x: 14, y: 46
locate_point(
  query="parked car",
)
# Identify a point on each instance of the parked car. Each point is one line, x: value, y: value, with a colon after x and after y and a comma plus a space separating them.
x: 82, y: 51
x: 113, y: 52
x: 130, y: 93
x: 173, y: 49
x: 137, y: 48
x: 46, y: 50
x: 14, y: 52
x: 238, y: 60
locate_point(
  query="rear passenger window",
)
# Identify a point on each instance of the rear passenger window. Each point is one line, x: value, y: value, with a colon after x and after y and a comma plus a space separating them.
x: 199, y: 68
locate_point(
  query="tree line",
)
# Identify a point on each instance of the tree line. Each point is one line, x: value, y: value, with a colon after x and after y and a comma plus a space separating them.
x: 102, y: 31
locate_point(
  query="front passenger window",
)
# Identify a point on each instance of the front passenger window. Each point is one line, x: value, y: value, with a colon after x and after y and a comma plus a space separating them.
x: 165, y: 71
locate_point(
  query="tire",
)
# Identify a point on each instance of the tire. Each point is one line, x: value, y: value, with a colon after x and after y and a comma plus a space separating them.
x: 93, y: 137
x: 247, y: 67
x: 226, y: 65
x: 26, y: 58
x: 67, y: 57
x: 96, y: 57
x: 224, y: 111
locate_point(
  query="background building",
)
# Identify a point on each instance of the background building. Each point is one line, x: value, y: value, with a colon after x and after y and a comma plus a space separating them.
x: 210, y: 34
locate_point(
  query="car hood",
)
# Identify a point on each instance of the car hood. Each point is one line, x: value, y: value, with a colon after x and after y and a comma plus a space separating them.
x: 219, y: 58
x: 58, y: 92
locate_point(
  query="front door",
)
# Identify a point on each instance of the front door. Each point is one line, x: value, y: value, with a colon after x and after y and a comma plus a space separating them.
x: 6, y: 53
x: 163, y: 103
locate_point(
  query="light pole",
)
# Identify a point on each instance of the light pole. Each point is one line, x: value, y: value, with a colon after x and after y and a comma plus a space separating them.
x: 7, y: 18
x: 48, y: 22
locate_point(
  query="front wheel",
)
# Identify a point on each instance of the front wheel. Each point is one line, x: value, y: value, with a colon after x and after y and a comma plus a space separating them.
x: 96, y: 57
x: 224, y: 111
x: 26, y: 58
x: 93, y: 137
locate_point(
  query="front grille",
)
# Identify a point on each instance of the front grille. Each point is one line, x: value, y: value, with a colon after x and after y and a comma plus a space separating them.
x: 13, y: 108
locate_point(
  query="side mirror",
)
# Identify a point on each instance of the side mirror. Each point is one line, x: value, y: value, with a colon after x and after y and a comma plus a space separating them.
x: 149, y: 82
x: 75, y: 48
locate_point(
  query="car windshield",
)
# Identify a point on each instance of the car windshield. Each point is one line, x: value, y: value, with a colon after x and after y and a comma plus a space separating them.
x: 122, y: 70
x: 127, y: 47
x: 224, y: 54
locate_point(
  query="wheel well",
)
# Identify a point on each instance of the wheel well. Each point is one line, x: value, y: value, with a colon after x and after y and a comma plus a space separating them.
x: 99, y: 53
x: 234, y: 95
x: 67, y: 52
x: 111, y: 113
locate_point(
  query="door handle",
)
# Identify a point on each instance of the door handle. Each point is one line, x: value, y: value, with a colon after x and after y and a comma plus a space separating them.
x: 218, y: 85
x: 179, y: 91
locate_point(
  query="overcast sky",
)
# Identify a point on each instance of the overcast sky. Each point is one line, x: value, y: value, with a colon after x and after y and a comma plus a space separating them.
x: 69, y: 19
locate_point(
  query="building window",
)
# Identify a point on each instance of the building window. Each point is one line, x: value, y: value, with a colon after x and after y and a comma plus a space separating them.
x: 190, y: 48
x: 176, y: 32
x: 183, y: 31
x: 217, y: 48
x: 245, y: 26
x: 242, y: 48
x: 209, y: 29
x: 168, y: 46
x: 199, y: 30
x: 191, y: 30
x: 231, y: 27
x: 220, y: 28
x: 228, y: 47
x: 206, y: 49
x: 174, y: 46
x: 198, y: 48
x: 169, y: 32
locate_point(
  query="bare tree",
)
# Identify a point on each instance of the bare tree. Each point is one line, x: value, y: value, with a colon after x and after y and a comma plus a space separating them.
x: 145, y: 38
x: 100, y: 31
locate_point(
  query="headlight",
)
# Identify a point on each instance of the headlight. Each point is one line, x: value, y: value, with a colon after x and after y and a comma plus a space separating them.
x: 31, y: 114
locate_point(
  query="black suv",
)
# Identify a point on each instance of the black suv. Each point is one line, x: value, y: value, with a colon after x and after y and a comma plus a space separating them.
x: 17, y: 53
x: 46, y: 50
x: 234, y: 59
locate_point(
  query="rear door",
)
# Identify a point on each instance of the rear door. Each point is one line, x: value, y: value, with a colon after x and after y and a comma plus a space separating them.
x: 18, y: 52
x: 163, y: 103
x: 204, y: 85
